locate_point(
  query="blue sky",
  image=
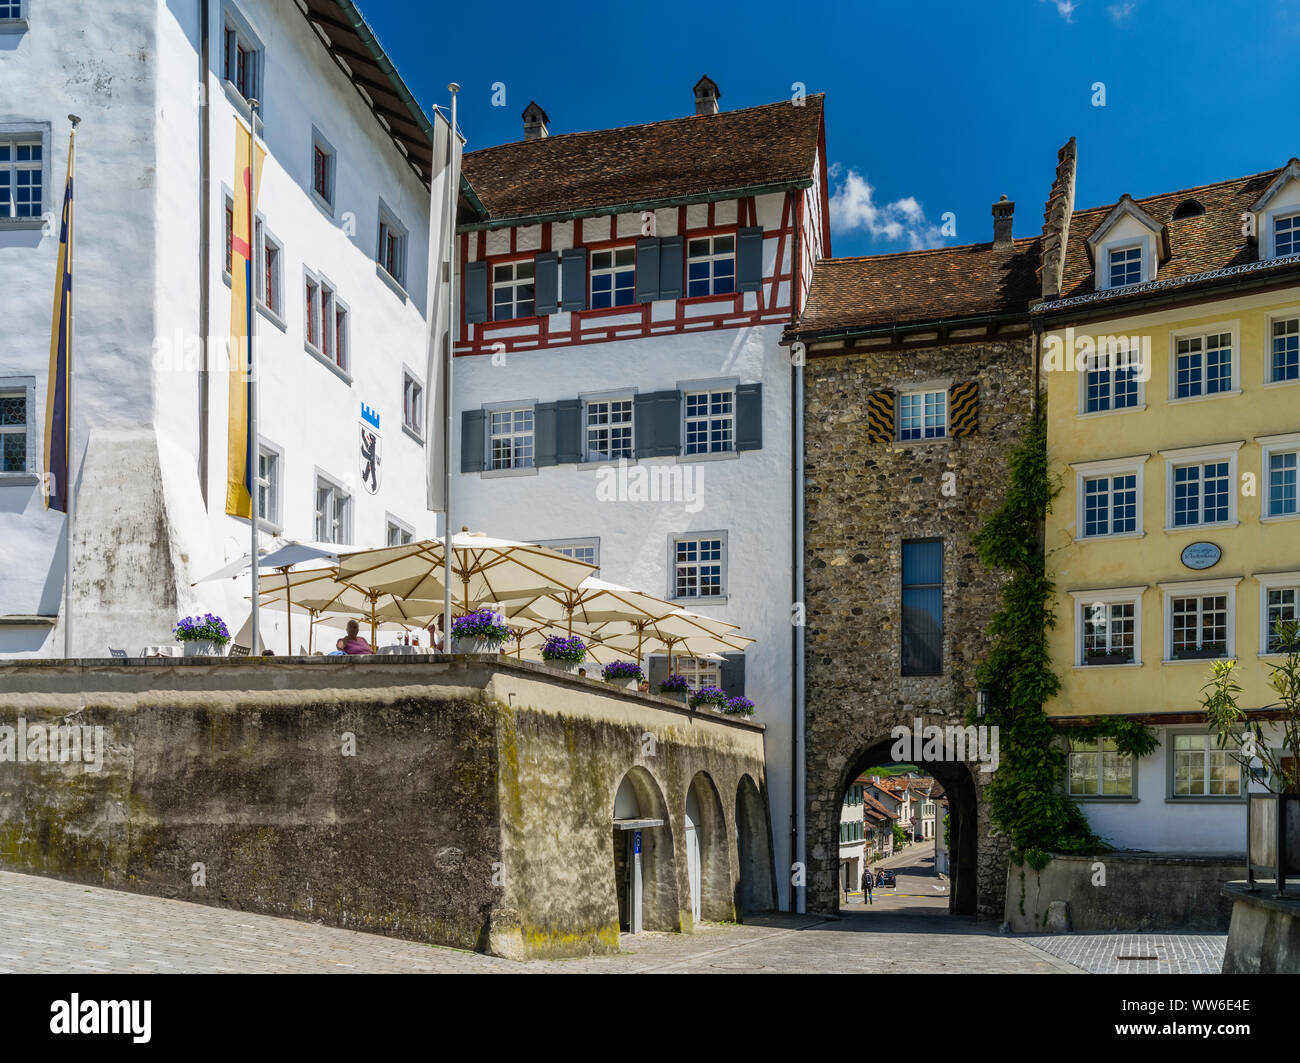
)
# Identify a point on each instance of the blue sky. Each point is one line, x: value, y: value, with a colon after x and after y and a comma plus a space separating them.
x: 931, y: 107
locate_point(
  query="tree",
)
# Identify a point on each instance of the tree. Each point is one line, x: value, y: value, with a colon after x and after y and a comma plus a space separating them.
x: 900, y: 837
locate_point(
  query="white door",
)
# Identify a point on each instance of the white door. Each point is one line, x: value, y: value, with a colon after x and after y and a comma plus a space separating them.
x: 693, y: 853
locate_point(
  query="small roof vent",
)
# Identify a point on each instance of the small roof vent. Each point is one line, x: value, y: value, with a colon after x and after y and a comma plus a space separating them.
x: 1188, y: 208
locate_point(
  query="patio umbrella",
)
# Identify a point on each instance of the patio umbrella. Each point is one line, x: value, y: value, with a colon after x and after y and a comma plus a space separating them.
x: 320, y: 591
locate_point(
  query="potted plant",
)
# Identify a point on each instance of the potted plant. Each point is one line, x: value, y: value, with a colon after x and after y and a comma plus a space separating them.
x: 202, y: 636
x: 563, y: 653
x: 1108, y: 657
x: 1204, y: 652
x: 623, y: 673
x: 1272, y: 817
x: 709, y: 697
x: 676, y: 687
x: 739, y: 706
x: 480, y: 632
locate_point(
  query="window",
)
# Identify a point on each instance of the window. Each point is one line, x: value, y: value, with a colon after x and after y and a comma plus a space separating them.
x: 1110, y: 504
x: 511, y: 438
x: 15, y: 431
x: 342, y: 340
x: 322, y: 169
x: 11, y: 10
x: 513, y: 293
x: 268, y: 485
x: 333, y: 512
x: 241, y: 61
x: 699, y: 672
x: 613, y: 277
x: 1200, y: 626
x: 1098, y: 769
x: 22, y: 177
x: 1282, y: 483
x: 609, y: 429
x: 922, y: 603
x: 1108, y: 628
x: 1112, y: 381
x: 587, y: 550
x: 1202, y: 769
x: 698, y: 567
x: 268, y: 269
x: 313, y: 313
x: 710, y: 421
x: 399, y: 533
x: 1286, y: 235
x: 412, y: 404
x: 1279, y: 607
x: 1125, y: 266
x: 1286, y: 351
x: 329, y: 335
x: 230, y: 233
x: 711, y: 266
x: 1203, y: 365
x: 391, y: 252
x: 923, y: 415
x: 1201, y: 493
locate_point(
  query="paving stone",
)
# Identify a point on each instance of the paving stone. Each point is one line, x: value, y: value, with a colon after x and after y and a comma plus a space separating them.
x: 1124, y: 953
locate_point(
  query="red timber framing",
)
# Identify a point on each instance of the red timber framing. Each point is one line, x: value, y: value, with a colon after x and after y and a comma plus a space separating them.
x: 638, y: 320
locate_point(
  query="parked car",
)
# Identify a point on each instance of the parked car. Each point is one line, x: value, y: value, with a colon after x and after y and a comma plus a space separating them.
x: 886, y: 878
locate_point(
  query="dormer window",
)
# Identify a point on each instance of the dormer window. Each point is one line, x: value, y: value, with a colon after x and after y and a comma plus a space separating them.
x: 1286, y: 235
x: 1125, y: 266
x: 1277, y: 214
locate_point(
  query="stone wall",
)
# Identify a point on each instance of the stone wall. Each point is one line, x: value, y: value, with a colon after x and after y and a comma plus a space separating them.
x: 863, y: 500
x: 458, y: 800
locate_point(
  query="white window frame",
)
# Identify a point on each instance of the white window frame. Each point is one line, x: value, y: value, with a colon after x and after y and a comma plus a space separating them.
x: 390, y: 225
x: 674, y: 565
x: 710, y: 389
x: 1292, y: 215
x: 1210, y: 745
x: 1086, y: 600
x: 273, y: 521
x: 698, y: 671
x: 1233, y: 330
x: 1185, y: 456
x: 1100, y: 753
x: 1089, y: 470
x: 413, y: 384
x: 1131, y: 358
x: 1276, y: 317
x: 589, y: 407
x: 514, y: 283
x: 392, y: 524
x: 712, y: 257
x: 312, y: 312
x: 338, y: 491
x: 321, y: 142
x: 23, y: 387
x: 1288, y: 443
x: 531, y: 433
x: 235, y: 20
x: 923, y: 394
x: 1111, y: 250
x: 1274, y: 581
x: 1199, y: 589
x: 611, y: 271
x: 570, y: 548
x: 14, y: 133
x: 262, y: 236
x: 15, y: 23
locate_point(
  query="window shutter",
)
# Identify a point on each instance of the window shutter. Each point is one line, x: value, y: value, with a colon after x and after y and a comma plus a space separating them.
x: 476, y: 294
x: 657, y: 424
x: 880, y: 417
x: 643, y: 425
x: 733, y: 674
x: 963, y: 408
x: 473, y: 440
x: 544, y: 434
x: 546, y: 281
x: 670, y: 267
x: 749, y: 260
x: 658, y: 672
x: 573, y: 268
x: 749, y: 416
x: 647, y: 270
x: 568, y: 431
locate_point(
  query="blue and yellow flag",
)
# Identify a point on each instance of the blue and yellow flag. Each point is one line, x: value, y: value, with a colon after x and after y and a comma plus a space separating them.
x: 57, y: 424
x: 241, y: 464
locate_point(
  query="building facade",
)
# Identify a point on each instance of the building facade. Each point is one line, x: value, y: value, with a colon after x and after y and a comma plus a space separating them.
x: 341, y: 251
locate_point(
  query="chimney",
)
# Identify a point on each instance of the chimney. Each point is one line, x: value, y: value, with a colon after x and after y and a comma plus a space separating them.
x: 535, y: 120
x: 1002, y: 211
x: 706, y: 96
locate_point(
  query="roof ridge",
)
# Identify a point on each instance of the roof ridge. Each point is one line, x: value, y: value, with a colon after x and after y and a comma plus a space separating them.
x: 1185, y: 191
x: 642, y: 125
x: 927, y: 250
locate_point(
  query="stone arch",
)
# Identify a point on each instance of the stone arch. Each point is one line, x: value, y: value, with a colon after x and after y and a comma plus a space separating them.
x: 755, y: 888
x: 639, y: 797
x: 707, y: 853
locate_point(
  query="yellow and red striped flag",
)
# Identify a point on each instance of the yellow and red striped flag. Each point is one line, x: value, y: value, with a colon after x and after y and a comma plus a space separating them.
x: 58, y: 462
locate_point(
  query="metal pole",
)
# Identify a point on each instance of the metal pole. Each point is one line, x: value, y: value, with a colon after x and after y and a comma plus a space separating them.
x: 453, y: 180
x: 252, y: 375
x: 71, y: 414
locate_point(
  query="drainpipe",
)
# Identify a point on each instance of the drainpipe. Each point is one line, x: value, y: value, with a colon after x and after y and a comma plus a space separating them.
x: 798, y: 898
x: 205, y: 182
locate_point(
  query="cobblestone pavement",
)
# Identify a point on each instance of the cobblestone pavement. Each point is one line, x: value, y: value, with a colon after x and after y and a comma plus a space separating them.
x: 52, y: 926
x: 1136, y: 953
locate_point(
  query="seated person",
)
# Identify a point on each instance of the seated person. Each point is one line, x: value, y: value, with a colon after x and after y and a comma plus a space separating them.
x: 353, y: 644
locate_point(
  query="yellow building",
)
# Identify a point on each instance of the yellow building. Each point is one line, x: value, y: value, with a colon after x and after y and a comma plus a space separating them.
x: 1170, y: 352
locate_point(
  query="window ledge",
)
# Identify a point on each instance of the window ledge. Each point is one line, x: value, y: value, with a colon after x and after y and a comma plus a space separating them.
x: 392, y: 282
x: 1197, y: 660
x: 1104, y: 799
x: 238, y: 102
x: 406, y: 428
x: 321, y: 202
x: 1106, y: 667
x: 272, y: 317
x: 22, y: 223
x: 329, y: 363
x: 1281, y: 383
x: 712, y: 600
x: 1108, y: 538
x: 18, y: 479
x: 270, y: 527
x: 720, y: 455
x: 1173, y: 401
x: 899, y: 445
x: 1197, y: 799
x: 1085, y: 415
x: 498, y: 474
x: 13, y: 25
x: 1197, y: 528
x: 604, y: 463
x: 1278, y: 517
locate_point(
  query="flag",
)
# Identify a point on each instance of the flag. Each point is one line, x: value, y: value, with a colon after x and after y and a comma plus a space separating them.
x: 57, y: 414
x: 241, y: 457
x: 444, y: 189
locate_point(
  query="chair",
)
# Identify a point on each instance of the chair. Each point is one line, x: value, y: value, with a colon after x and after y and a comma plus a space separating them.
x: 116, y: 653
x: 237, y: 650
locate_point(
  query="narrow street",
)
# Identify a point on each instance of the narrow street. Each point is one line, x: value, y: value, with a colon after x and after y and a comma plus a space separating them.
x: 919, y: 889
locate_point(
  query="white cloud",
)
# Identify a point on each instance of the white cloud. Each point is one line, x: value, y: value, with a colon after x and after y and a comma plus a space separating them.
x: 1066, y: 9
x: 1121, y: 11
x: 854, y: 209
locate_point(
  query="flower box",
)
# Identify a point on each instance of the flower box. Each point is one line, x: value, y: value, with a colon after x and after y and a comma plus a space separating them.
x: 482, y: 631
x: 564, y: 654
x: 202, y: 636
x: 709, y: 698
x: 1200, y: 653
x: 626, y: 674
x: 1113, y: 657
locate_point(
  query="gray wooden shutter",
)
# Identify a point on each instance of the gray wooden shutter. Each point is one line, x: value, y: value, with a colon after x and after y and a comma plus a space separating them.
x: 573, y: 267
x: 643, y: 425
x: 546, y: 281
x: 568, y: 431
x: 476, y: 292
x: 670, y: 267
x: 658, y: 672
x: 544, y: 434
x: 749, y: 260
x: 647, y: 270
x: 667, y: 419
x: 749, y: 416
x: 733, y: 674
x: 473, y: 440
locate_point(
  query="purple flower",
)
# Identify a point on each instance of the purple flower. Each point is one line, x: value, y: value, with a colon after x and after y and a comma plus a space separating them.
x: 559, y: 648
x: 675, y: 684
x: 616, y: 670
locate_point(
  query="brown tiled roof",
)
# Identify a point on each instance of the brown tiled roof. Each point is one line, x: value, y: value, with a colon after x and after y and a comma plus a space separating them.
x: 912, y: 287
x: 773, y: 144
x: 1198, y: 244
x: 873, y: 803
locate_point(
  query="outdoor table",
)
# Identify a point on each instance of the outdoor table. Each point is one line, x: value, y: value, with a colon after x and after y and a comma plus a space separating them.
x: 161, y: 651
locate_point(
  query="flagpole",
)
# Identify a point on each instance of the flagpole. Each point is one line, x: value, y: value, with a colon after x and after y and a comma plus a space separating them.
x: 452, y: 194
x: 253, y: 448
x: 70, y: 415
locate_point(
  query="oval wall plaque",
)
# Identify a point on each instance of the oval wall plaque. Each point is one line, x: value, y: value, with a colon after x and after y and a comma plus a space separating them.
x: 1201, y: 555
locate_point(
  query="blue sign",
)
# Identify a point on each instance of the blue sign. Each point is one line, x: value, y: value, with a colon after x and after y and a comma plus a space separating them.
x: 1201, y: 555
x: 636, y: 842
